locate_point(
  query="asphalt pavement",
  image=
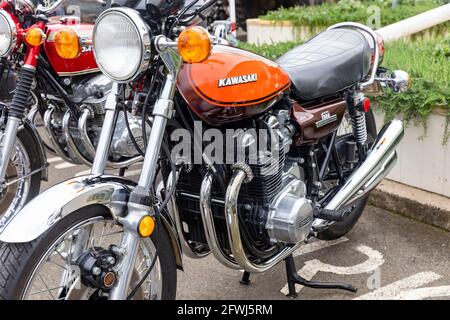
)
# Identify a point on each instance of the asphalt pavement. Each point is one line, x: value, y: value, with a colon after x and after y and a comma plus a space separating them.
x: 386, y: 256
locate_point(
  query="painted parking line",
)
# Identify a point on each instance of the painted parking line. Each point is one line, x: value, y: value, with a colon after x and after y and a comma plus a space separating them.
x: 409, y: 289
x: 54, y: 159
x: 317, y: 245
x: 312, y: 267
x: 65, y: 165
x: 133, y: 173
x: 83, y: 173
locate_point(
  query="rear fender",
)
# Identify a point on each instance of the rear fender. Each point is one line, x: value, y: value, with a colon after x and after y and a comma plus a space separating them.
x: 40, y: 214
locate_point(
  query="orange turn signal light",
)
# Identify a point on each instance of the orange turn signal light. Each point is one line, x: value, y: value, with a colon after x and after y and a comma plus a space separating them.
x: 146, y: 226
x: 194, y: 44
x: 67, y: 44
x: 34, y: 37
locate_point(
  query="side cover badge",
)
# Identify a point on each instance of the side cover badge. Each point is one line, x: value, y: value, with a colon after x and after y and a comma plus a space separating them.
x: 327, y: 118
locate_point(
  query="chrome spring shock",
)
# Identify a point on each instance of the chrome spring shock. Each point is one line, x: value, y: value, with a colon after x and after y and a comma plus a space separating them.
x: 359, y: 127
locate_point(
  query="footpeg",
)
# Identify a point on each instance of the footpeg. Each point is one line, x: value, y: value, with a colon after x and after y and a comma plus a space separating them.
x: 332, y: 215
x: 294, y: 278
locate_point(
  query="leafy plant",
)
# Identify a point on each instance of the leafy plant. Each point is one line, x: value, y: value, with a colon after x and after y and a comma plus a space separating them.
x: 442, y: 49
x: 268, y: 50
x: 429, y: 66
x: 351, y: 10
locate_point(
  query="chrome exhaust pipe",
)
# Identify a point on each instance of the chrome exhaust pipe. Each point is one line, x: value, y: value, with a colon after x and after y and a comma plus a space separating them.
x: 53, y: 139
x: 238, y: 259
x: 208, y: 224
x: 86, y: 142
x: 82, y: 128
x: 78, y: 157
x: 379, y: 162
x: 175, y: 215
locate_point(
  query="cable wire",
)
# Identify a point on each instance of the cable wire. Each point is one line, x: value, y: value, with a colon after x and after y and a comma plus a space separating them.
x: 158, y: 219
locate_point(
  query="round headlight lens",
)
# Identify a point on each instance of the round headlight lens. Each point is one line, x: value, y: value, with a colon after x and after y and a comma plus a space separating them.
x: 121, y: 44
x: 7, y: 34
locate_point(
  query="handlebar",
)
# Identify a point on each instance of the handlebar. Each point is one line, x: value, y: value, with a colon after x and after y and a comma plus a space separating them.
x: 48, y: 10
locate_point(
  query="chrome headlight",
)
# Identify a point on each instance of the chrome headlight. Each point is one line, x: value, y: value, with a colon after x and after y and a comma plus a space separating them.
x: 8, y: 34
x: 122, y: 46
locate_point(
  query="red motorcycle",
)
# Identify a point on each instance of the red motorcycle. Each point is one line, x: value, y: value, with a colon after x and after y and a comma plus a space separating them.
x: 49, y: 64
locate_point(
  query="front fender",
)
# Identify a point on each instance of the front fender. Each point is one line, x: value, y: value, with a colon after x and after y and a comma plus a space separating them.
x: 40, y: 214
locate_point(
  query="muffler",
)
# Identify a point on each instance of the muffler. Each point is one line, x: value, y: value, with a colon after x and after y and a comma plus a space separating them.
x: 379, y: 162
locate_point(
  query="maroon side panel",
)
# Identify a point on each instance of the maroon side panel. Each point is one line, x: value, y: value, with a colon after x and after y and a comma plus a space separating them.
x: 318, y: 121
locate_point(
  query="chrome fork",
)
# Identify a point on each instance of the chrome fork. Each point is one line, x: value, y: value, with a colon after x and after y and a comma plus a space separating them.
x: 7, y: 143
x: 104, y: 142
x: 139, y: 205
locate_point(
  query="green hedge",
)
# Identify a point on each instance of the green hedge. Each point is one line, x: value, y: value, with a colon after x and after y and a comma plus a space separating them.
x: 427, y: 61
x: 351, y: 10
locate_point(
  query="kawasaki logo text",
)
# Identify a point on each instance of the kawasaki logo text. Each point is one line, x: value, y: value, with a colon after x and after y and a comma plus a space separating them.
x: 238, y: 80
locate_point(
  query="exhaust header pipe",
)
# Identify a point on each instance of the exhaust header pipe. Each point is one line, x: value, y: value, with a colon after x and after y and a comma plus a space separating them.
x: 379, y: 162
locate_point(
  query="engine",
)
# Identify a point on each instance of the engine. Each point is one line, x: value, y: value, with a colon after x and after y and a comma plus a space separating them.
x: 89, y: 94
x: 273, y: 208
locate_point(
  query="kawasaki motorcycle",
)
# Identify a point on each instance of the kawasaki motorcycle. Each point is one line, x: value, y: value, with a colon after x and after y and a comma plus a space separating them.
x: 246, y: 159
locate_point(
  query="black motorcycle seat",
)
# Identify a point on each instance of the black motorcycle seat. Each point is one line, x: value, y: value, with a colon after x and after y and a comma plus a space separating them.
x: 328, y: 63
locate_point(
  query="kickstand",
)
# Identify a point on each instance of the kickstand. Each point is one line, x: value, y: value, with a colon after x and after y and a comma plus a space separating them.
x: 245, y: 279
x: 295, y: 278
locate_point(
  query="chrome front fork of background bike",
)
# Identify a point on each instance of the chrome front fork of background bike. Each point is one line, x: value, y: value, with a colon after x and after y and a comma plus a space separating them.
x: 7, y: 144
x: 162, y: 111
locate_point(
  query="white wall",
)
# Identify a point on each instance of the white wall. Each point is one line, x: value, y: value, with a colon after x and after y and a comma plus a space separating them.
x: 423, y: 162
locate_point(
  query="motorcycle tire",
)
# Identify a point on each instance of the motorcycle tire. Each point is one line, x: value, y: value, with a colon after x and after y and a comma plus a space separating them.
x: 18, y: 261
x: 26, y: 139
x: 339, y: 229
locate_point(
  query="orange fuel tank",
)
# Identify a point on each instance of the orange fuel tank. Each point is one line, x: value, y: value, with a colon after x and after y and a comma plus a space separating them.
x: 231, y: 85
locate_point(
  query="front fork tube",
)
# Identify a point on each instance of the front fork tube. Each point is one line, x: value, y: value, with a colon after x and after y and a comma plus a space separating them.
x: 15, y: 115
x: 18, y: 106
x: 102, y: 153
x: 139, y: 205
x: 129, y: 245
x: 7, y: 144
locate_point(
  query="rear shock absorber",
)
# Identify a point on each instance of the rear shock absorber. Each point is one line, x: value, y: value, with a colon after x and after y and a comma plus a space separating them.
x: 358, y: 118
x: 22, y: 93
x: 359, y: 127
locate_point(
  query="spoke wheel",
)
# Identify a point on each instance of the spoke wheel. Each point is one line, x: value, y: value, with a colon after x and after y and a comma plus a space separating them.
x: 23, y: 160
x: 14, y: 196
x: 56, y: 277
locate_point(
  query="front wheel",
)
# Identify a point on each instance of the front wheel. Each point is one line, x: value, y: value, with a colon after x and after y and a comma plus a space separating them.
x: 52, y: 268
